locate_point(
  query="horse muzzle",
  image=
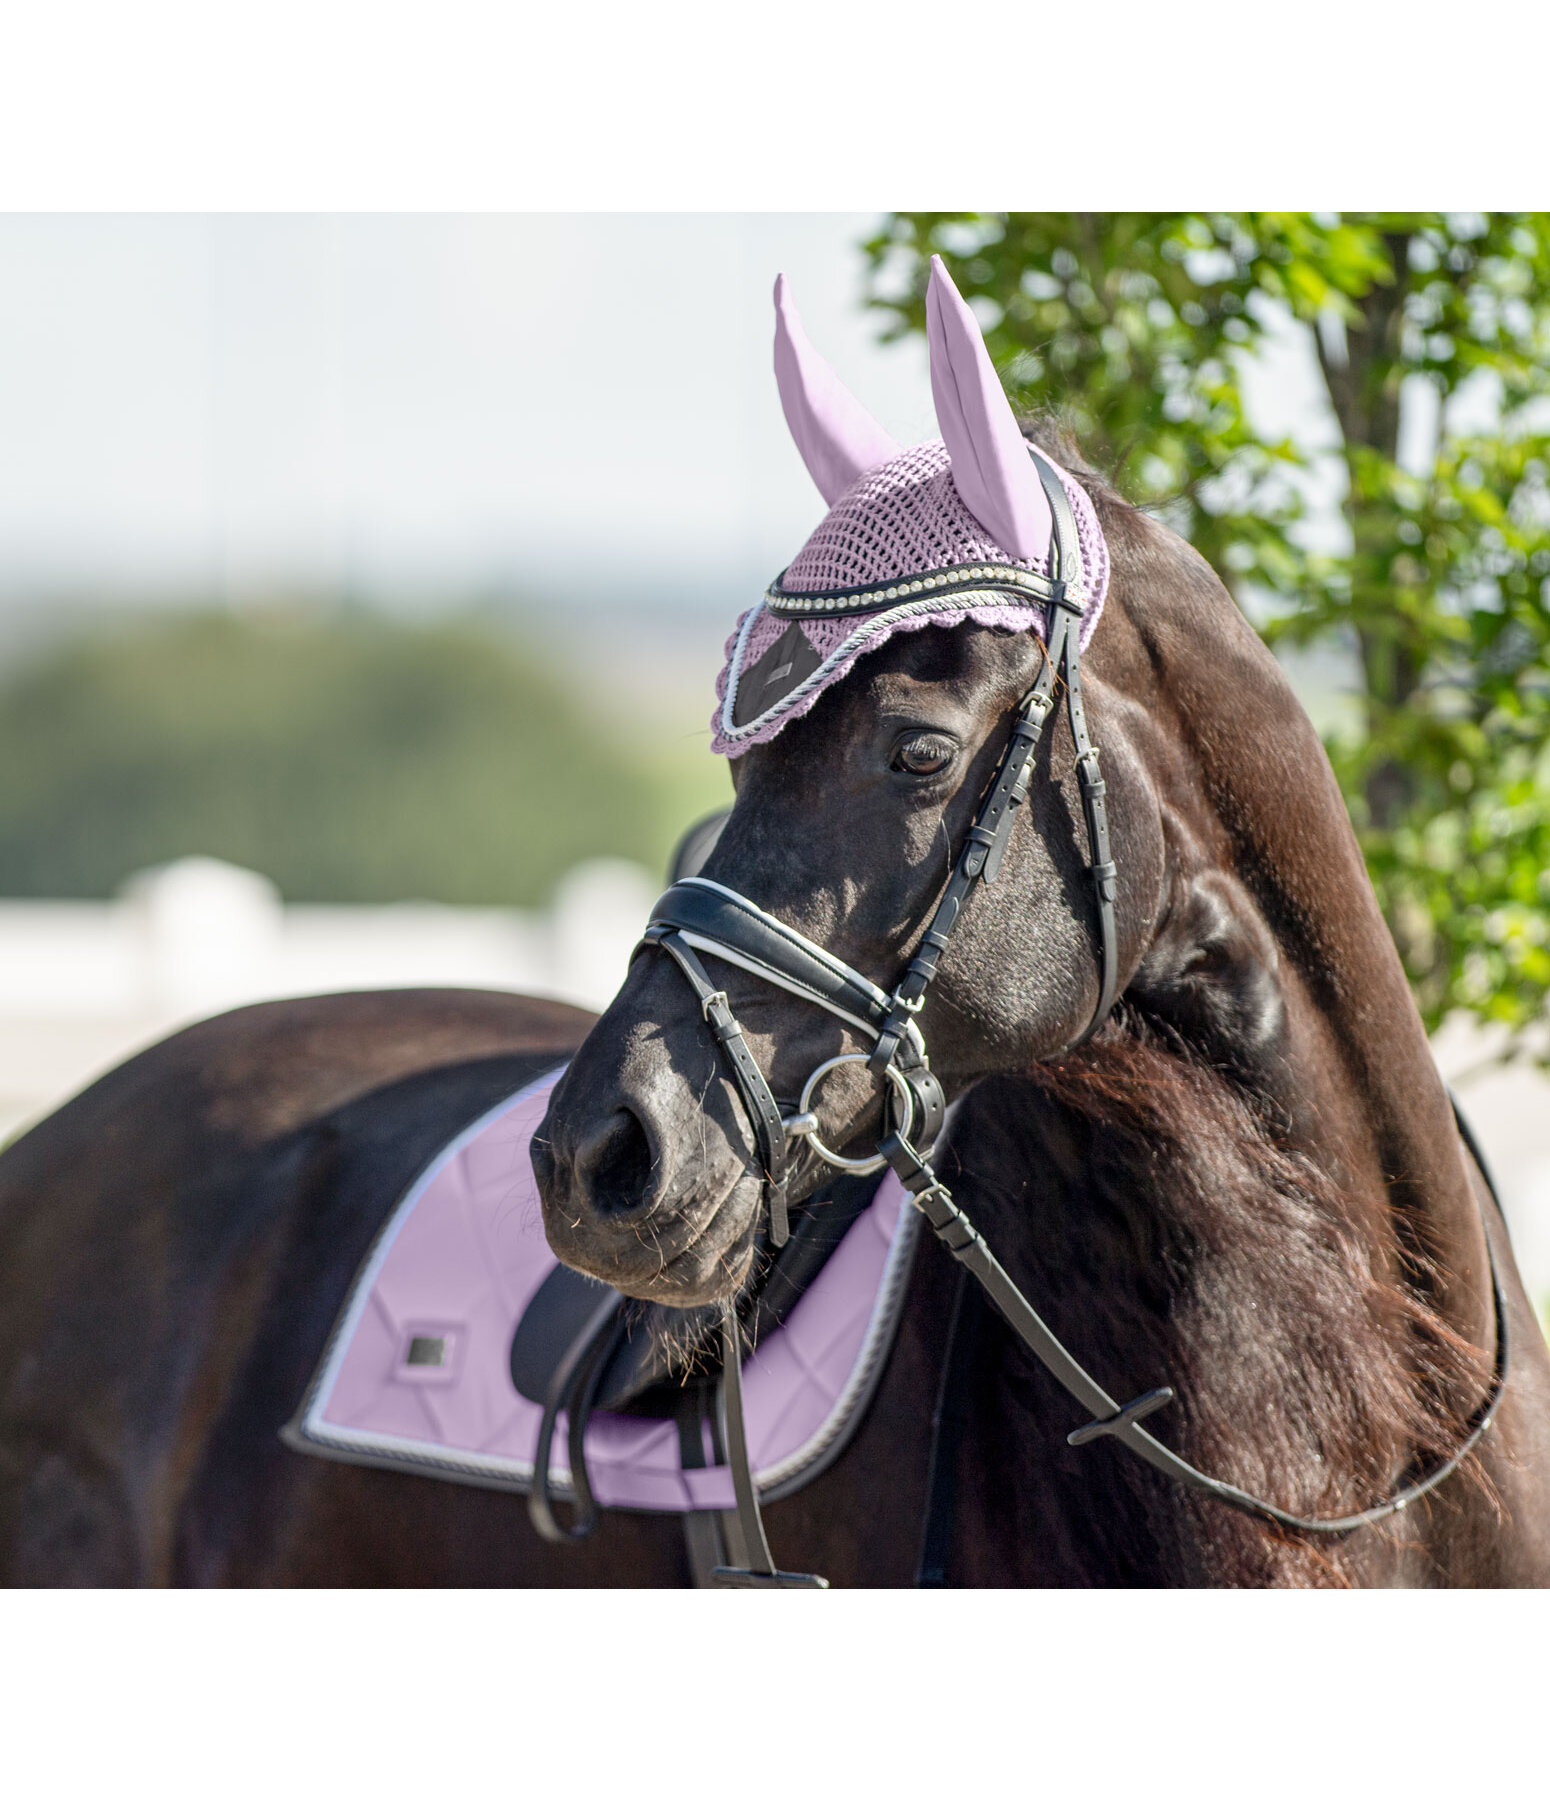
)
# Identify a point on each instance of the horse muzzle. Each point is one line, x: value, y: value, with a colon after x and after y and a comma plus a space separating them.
x: 645, y: 1173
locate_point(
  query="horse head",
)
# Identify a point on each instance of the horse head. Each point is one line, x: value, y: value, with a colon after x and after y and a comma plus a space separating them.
x: 857, y: 775
x: 926, y: 886
x: 866, y: 708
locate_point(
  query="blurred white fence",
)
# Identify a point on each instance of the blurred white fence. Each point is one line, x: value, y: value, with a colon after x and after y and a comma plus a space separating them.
x: 84, y: 983
x: 1509, y: 1110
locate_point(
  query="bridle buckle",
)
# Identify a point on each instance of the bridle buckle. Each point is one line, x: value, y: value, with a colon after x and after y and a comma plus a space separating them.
x: 804, y: 1122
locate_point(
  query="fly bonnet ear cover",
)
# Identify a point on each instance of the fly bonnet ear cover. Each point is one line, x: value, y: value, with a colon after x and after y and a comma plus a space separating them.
x: 956, y: 529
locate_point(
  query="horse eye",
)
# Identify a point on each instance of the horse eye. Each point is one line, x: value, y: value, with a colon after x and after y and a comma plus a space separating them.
x: 927, y: 753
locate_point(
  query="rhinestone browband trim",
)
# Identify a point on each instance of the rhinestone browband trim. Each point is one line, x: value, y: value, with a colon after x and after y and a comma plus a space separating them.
x: 1001, y: 576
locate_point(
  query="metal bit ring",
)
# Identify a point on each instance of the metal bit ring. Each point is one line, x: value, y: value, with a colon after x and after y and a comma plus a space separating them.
x: 805, y: 1122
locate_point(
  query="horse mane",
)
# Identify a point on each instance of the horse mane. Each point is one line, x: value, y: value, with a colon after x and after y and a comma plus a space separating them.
x: 1050, y: 430
x: 1186, y: 1233
x: 1155, y: 1205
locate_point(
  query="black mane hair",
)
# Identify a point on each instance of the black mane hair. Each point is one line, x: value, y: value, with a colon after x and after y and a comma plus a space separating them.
x: 1172, y: 1234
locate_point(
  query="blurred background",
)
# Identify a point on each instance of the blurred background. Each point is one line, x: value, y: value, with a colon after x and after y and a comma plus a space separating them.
x: 364, y: 580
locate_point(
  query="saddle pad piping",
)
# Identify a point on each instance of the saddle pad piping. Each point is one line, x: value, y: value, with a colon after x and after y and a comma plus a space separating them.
x: 826, y: 1445
x: 311, y: 1432
x: 303, y: 1432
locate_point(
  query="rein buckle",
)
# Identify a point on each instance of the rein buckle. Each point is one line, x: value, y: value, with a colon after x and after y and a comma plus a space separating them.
x: 804, y: 1122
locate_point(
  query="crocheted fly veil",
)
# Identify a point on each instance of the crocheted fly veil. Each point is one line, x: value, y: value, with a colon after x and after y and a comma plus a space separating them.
x: 955, y: 529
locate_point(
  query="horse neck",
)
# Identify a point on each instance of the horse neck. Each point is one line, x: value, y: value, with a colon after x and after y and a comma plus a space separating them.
x: 1284, y: 1232
x: 1171, y: 1237
x: 1351, y: 1072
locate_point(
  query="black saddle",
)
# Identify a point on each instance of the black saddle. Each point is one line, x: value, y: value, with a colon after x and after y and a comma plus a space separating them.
x: 582, y: 1347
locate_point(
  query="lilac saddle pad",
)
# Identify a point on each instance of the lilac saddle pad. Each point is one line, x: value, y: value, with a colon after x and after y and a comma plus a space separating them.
x: 416, y: 1375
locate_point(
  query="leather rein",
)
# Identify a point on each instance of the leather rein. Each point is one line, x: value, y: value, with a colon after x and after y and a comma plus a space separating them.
x: 697, y: 916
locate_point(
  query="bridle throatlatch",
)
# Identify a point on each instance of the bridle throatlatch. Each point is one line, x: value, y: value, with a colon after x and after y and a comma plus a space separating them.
x: 697, y: 916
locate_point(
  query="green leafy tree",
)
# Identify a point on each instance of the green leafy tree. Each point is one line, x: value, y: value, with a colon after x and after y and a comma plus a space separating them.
x: 345, y: 756
x: 1134, y: 328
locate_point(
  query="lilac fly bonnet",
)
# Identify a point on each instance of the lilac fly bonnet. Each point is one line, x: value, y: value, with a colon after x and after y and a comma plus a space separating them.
x: 946, y: 532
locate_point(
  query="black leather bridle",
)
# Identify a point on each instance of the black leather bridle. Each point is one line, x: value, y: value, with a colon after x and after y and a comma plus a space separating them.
x: 696, y: 915
x: 699, y: 915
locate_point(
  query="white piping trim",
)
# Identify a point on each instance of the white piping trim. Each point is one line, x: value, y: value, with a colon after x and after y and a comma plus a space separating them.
x: 312, y: 1422
x: 418, y: 1457
x: 712, y: 947
x: 879, y: 996
x: 874, y: 1343
x: 873, y: 625
x: 780, y: 926
x: 415, y: 1454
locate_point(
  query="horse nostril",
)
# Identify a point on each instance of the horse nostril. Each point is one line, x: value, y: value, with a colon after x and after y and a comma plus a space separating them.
x: 615, y: 1169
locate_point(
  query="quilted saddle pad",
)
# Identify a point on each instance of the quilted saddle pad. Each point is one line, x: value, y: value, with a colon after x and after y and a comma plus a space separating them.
x: 416, y: 1375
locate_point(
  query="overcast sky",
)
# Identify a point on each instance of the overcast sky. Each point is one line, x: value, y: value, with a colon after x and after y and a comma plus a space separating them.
x: 431, y: 404
x: 424, y: 406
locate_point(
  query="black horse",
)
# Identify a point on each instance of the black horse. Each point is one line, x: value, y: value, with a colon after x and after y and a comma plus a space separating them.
x: 1248, y: 1185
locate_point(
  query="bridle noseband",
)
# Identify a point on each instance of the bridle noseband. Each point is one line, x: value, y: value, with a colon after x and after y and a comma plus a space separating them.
x: 697, y: 915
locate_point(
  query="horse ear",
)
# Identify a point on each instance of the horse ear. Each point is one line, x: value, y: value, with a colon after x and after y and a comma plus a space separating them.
x: 992, y: 470
x: 838, y: 438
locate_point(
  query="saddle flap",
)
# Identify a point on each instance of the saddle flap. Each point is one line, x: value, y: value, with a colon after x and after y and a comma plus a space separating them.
x: 660, y: 1345
x: 462, y: 1255
x: 563, y: 1307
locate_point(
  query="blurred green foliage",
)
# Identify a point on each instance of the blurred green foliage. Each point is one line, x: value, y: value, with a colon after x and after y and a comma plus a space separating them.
x: 347, y: 757
x: 1134, y: 328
